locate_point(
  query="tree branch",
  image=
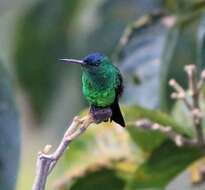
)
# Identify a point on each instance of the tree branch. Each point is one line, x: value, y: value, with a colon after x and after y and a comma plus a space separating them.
x: 180, y: 93
x: 194, y: 93
x: 177, y: 138
x: 46, y: 162
x: 194, y: 88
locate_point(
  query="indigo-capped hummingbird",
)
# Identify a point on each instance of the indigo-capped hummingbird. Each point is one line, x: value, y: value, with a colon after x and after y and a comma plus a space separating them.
x: 102, y: 86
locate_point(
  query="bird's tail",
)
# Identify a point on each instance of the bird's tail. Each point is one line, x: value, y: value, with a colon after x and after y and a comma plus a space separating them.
x: 116, y: 114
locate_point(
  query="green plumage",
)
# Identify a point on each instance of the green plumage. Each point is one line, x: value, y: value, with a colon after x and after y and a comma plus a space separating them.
x: 100, y: 84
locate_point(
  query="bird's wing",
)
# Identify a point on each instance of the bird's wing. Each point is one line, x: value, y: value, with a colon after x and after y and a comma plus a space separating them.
x: 116, y: 112
x: 120, y: 87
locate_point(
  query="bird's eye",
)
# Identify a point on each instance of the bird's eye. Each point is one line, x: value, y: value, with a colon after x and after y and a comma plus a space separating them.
x: 96, y: 63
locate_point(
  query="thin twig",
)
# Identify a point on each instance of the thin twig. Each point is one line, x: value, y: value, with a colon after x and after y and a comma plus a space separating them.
x: 180, y: 93
x: 177, y: 138
x: 194, y: 88
x: 46, y: 162
x: 194, y: 93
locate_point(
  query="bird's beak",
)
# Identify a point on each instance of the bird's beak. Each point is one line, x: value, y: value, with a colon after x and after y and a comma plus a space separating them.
x: 72, y: 61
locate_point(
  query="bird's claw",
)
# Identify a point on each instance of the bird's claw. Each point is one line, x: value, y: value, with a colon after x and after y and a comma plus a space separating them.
x: 101, y: 114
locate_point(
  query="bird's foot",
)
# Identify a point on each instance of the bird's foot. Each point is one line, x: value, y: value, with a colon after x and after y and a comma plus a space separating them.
x: 100, y: 114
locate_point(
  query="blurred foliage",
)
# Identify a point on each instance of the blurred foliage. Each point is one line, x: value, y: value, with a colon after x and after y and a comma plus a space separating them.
x: 99, y: 175
x: 113, y: 17
x: 102, y: 179
x: 155, y: 49
x: 9, y: 133
x: 139, y: 53
x: 41, y: 41
x: 150, y: 140
x: 155, y: 165
x: 162, y: 166
x: 182, y: 6
x: 181, y: 49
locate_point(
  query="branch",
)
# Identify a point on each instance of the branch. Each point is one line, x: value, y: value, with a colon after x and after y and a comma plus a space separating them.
x: 46, y: 162
x: 177, y: 138
x: 194, y: 88
x: 194, y: 93
x: 180, y: 93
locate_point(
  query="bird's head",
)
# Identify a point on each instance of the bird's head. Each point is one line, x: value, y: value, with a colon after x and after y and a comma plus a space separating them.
x: 92, y: 61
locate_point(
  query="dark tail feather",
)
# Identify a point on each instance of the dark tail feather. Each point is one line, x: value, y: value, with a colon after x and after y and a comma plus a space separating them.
x: 116, y: 114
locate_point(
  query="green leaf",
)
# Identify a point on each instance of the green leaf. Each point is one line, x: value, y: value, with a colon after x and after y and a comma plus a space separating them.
x: 146, y: 140
x: 165, y: 163
x: 97, y: 176
x: 99, y: 180
x: 149, y: 140
x: 180, y: 50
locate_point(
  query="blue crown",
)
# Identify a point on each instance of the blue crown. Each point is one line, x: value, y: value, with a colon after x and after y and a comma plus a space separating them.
x: 93, y: 57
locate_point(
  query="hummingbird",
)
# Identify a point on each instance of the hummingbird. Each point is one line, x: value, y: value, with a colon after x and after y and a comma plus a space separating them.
x: 102, y: 85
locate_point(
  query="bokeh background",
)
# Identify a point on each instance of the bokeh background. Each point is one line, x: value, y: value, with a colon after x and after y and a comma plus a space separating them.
x: 149, y: 40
